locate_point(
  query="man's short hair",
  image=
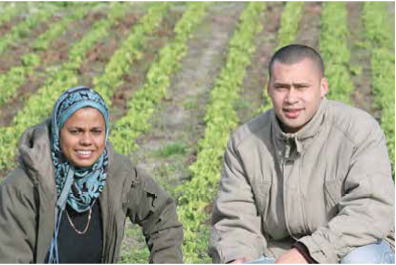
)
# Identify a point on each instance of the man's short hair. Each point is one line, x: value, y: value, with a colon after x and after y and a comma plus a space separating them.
x: 295, y: 53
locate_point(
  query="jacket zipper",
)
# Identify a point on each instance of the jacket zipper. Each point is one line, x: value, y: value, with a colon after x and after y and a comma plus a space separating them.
x: 284, y: 160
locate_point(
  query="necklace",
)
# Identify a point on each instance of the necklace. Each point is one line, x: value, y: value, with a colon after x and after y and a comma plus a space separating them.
x: 74, y: 227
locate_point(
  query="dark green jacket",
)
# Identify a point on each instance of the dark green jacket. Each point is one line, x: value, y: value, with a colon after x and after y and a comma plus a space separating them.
x: 28, y: 197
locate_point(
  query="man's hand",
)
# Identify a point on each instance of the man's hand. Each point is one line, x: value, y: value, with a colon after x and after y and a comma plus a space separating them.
x: 238, y: 261
x: 291, y: 257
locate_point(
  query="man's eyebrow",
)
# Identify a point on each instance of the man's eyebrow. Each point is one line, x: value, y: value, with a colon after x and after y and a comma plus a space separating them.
x: 281, y: 84
x: 301, y: 84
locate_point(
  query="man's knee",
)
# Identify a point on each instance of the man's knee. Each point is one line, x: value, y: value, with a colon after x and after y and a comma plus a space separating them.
x: 374, y: 253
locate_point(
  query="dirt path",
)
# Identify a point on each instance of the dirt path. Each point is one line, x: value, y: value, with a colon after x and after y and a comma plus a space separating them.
x: 308, y: 32
x: 362, y: 96
x: 167, y: 150
x: 251, y: 94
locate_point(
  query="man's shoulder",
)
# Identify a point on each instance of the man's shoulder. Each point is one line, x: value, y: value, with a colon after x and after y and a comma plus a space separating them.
x: 256, y: 128
x: 356, y: 124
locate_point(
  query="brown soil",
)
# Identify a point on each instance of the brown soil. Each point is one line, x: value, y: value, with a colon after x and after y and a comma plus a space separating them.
x: 135, y: 78
x: 308, y: 32
x: 362, y: 96
x: 256, y: 75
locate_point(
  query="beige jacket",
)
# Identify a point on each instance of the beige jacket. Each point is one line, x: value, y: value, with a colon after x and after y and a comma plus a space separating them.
x: 328, y: 186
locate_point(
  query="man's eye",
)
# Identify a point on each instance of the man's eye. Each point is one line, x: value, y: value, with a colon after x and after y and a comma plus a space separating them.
x: 97, y: 132
x: 281, y: 88
x: 302, y: 87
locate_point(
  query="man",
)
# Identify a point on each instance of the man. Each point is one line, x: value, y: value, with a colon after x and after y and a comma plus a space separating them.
x: 308, y: 181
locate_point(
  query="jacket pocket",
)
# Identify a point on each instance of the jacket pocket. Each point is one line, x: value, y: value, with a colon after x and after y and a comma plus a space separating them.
x: 333, y: 195
x: 261, y: 192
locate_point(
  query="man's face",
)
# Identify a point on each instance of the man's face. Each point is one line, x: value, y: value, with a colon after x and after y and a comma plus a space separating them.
x: 296, y: 91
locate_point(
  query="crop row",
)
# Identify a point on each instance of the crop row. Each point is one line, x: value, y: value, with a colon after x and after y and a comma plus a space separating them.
x: 289, y: 23
x: 16, y: 76
x: 22, y: 29
x: 143, y: 101
x: 220, y: 119
x: 121, y: 60
x: 39, y: 105
x: 381, y: 44
x: 334, y: 50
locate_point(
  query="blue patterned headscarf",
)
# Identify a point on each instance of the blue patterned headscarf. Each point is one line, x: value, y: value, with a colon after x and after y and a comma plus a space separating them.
x: 87, y: 183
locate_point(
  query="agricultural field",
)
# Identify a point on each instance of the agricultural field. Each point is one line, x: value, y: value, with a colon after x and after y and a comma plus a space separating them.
x: 179, y: 77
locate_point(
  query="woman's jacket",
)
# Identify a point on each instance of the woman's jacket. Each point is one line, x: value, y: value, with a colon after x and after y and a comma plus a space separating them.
x: 28, y: 197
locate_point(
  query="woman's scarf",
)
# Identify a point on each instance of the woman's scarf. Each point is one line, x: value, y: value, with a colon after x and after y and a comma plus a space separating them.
x: 78, y: 187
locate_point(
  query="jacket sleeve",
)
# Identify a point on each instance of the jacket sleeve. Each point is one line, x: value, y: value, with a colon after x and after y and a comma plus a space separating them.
x: 235, y: 224
x: 366, y: 205
x: 17, y: 219
x: 155, y: 211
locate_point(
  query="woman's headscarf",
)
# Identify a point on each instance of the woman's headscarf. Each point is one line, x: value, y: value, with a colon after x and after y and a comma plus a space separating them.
x: 88, y: 182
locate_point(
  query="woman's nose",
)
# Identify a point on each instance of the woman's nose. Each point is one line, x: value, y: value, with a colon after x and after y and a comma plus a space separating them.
x: 86, y: 139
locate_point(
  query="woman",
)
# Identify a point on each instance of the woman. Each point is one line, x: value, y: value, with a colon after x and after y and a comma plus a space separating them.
x: 67, y: 200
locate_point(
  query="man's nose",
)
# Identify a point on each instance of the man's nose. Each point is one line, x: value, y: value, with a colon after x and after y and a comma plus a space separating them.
x: 291, y: 96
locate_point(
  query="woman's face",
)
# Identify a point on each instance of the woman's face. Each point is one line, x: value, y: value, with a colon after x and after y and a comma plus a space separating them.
x: 82, y: 137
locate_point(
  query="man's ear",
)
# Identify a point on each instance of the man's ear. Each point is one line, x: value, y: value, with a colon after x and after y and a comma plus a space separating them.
x: 268, y: 87
x: 323, y: 87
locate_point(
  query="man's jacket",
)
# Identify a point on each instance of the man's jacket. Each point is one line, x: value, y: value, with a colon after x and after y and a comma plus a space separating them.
x: 328, y: 186
x: 28, y: 197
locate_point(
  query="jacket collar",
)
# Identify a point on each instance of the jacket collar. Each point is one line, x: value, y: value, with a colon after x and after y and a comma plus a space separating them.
x: 292, y: 145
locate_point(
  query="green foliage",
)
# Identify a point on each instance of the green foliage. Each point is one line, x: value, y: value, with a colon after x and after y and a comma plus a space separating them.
x: 143, y: 102
x: 220, y: 118
x: 39, y: 105
x: 381, y: 44
x: 334, y: 50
